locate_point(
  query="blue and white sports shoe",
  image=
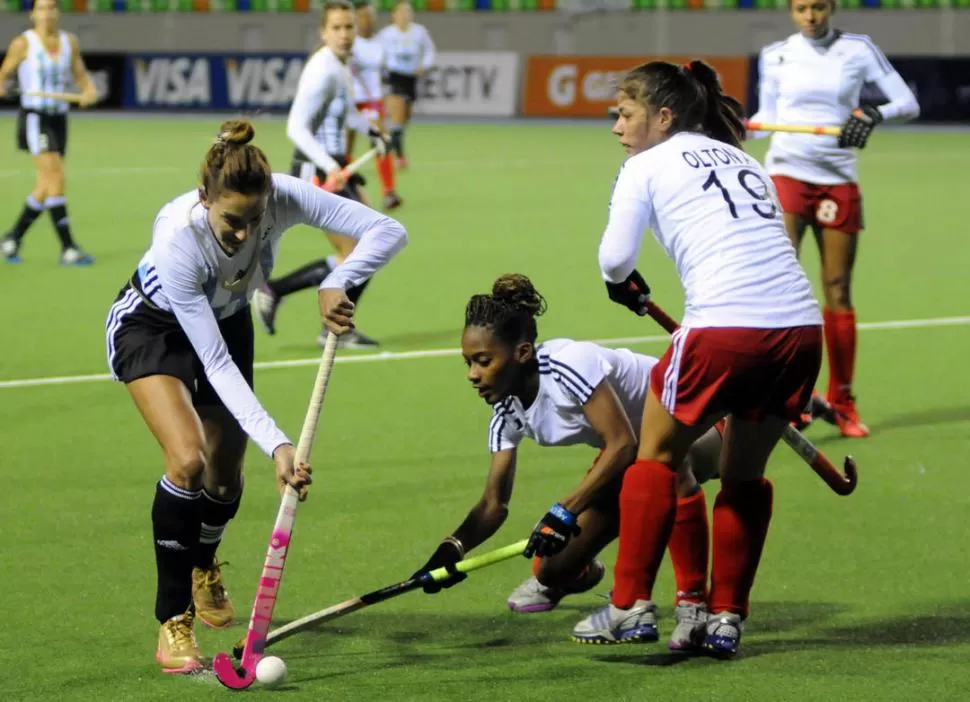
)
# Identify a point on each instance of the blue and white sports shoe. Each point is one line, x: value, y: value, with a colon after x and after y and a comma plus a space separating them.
x: 612, y: 625
x: 73, y: 256
x: 10, y: 249
x: 723, y: 634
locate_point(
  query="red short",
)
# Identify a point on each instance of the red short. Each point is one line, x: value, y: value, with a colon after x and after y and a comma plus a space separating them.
x: 836, y: 207
x: 750, y: 373
x: 371, y: 109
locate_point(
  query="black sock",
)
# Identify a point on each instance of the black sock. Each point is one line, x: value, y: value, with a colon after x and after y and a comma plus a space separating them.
x: 215, y: 514
x: 308, y: 276
x: 355, y: 292
x: 32, y: 210
x: 397, y: 141
x: 175, y: 529
x: 58, y: 209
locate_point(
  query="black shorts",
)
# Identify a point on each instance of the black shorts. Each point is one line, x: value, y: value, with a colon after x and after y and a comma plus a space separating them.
x: 304, y: 169
x: 144, y: 340
x: 40, y: 132
x: 403, y: 84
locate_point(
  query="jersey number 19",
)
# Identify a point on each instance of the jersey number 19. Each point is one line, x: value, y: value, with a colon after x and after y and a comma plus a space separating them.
x: 754, y: 185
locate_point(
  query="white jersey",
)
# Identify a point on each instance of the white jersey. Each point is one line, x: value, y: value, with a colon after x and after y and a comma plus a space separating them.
x: 569, y: 372
x: 323, y: 108
x: 714, y: 211
x: 187, y: 273
x: 366, y: 64
x: 409, y: 51
x: 43, y: 72
x: 818, y: 82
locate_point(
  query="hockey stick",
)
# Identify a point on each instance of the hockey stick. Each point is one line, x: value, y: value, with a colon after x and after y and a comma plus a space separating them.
x: 817, y: 461
x: 269, y: 582
x: 793, y: 128
x: 356, y: 165
x: 385, y: 593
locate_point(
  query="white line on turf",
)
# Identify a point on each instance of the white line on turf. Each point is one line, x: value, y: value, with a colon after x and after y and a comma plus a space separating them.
x: 435, y: 353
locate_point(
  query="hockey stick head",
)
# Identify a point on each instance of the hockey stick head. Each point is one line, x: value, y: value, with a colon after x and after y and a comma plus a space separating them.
x: 850, y: 480
x: 232, y: 677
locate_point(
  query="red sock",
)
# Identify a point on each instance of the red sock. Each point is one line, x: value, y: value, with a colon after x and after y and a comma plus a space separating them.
x: 689, y: 546
x: 385, y: 169
x: 840, y: 343
x: 536, y: 564
x: 648, y: 506
x: 742, y: 512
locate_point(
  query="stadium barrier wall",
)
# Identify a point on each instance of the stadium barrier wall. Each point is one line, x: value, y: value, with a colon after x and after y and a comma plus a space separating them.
x: 483, y: 84
x: 478, y: 84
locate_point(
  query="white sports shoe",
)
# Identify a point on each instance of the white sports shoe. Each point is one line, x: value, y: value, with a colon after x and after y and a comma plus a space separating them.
x: 723, y: 634
x: 532, y: 596
x: 612, y: 625
x: 691, y: 626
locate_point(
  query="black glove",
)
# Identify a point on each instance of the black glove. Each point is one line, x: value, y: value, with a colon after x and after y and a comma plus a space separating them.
x: 856, y: 131
x: 447, y: 555
x: 552, y: 533
x: 633, y: 293
x: 378, y: 141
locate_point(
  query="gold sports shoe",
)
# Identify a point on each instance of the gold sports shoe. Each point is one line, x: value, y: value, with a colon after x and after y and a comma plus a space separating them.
x: 212, y: 603
x: 178, y: 651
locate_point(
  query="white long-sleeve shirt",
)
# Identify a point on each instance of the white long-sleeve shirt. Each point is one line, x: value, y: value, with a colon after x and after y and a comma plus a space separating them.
x: 322, y: 109
x: 817, y: 82
x: 187, y: 273
x: 366, y: 64
x: 714, y: 211
x: 409, y: 51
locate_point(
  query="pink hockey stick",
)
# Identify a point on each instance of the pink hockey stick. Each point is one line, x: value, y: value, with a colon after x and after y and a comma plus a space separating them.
x: 269, y: 582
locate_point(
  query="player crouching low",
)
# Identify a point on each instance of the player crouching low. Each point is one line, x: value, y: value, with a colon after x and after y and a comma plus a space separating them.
x: 562, y: 393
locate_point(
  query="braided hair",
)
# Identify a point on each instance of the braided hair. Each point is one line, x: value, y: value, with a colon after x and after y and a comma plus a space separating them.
x: 510, y: 310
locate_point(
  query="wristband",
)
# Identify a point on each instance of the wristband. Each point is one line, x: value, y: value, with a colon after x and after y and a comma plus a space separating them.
x: 563, y: 514
x: 454, y: 541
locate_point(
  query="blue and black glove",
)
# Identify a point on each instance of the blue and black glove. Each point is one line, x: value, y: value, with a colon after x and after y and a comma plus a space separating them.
x: 856, y: 131
x: 446, y: 556
x: 633, y: 293
x: 552, y: 533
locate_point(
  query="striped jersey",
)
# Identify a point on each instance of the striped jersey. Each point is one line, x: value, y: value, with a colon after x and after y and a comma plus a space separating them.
x: 187, y: 273
x: 322, y: 110
x: 43, y: 72
x: 569, y: 372
x: 818, y: 82
x: 409, y: 51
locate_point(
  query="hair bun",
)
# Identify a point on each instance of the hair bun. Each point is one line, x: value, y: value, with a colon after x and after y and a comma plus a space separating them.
x: 517, y: 290
x: 236, y: 132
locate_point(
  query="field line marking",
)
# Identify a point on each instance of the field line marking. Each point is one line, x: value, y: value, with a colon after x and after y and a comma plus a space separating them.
x: 436, y: 353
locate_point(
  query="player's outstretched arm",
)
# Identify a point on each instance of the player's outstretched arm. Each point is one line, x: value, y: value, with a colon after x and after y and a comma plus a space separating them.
x: 484, y: 519
x: 89, y: 92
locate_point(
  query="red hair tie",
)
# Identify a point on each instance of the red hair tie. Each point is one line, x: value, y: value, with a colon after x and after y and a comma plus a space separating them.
x: 687, y: 66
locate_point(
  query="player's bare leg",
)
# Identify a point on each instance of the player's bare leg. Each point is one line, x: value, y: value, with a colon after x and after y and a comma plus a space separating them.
x: 576, y: 569
x: 742, y: 512
x: 166, y: 406
x: 221, y: 493
x: 838, y: 260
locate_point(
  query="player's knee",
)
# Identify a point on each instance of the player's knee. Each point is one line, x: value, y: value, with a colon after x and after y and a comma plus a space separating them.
x: 838, y: 293
x: 556, y: 573
x: 186, y: 465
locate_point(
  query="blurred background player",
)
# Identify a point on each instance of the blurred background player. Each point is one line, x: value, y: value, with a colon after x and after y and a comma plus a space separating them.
x: 367, y: 65
x: 322, y: 110
x: 749, y: 348
x: 180, y: 336
x: 815, y: 77
x: 409, y: 52
x: 47, y: 60
x: 563, y: 393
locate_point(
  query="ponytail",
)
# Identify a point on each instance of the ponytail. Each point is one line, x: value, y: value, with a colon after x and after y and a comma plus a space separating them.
x: 722, y: 119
